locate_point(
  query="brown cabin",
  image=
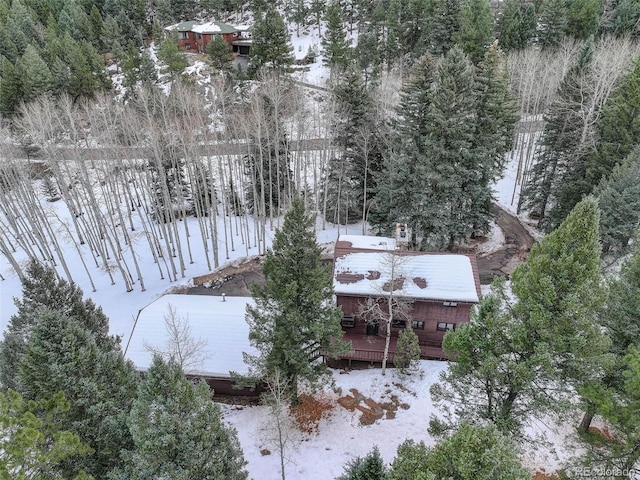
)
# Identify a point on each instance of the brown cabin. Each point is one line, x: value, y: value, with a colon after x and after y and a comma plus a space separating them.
x: 432, y: 293
x: 194, y: 36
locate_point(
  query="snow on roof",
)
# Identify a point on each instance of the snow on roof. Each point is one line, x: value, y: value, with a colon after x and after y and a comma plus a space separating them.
x: 243, y: 28
x: 369, y: 242
x: 426, y: 276
x: 213, y: 27
x: 221, y: 324
x: 182, y: 26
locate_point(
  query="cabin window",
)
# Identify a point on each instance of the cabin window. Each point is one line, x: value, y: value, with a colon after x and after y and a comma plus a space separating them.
x: 183, y: 35
x: 450, y: 304
x: 348, y: 321
x: 417, y: 325
x: 398, y: 323
x: 445, y: 327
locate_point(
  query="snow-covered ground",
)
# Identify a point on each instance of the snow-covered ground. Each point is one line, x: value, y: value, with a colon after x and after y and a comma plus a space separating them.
x: 322, y: 454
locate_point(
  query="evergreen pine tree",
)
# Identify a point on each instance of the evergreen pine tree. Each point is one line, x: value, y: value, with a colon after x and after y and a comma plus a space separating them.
x: 617, y: 130
x: 619, y: 406
x: 407, y: 354
x: 619, y: 200
x: 562, y: 274
x: 111, y: 35
x: 32, y: 440
x: 583, y: 17
x: 294, y: 319
x: 510, y: 25
x: 443, y: 25
x: 367, y: 55
x: 43, y: 290
x: 298, y: 13
x: 82, y: 80
x: 411, y: 461
x: 553, y: 23
x: 63, y: 355
x: 7, y: 45
x: 548, y: 332
x: 475, y: 452
x: 402, y: 169
x: 334, y: 42
x: 442, y: 168
x: 475, y: 33
x: 268, y: 163
x: 173, y: 59
x: 369, y: 467
x: 625, y: 19
x: 36, y: 76
x: 220, y: 54
x: 360, y: 135
x: 496, y: 112
x: 271, y: 48
x: 178, y: 432
x: 10, y: 88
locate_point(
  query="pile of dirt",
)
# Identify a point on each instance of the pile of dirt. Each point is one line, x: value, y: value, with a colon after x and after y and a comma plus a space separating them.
x: 308, y: 413
x: 372, y: 410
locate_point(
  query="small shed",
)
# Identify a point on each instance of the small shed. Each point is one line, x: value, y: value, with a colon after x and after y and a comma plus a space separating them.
x: 217, y: 322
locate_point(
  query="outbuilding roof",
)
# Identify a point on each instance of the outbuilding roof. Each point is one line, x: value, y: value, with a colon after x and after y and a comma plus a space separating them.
x: 221, y: 324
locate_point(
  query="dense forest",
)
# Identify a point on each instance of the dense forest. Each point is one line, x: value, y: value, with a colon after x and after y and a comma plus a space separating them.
x: 426, y: 102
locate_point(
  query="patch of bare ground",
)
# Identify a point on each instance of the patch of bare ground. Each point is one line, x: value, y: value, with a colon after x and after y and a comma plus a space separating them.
x: 308, y: 413
x: 371, y: 410
x: 253, y: 264
x: 542, y: 475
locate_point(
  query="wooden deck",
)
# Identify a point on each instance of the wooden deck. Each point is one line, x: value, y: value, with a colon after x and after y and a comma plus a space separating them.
x: 370, y: 348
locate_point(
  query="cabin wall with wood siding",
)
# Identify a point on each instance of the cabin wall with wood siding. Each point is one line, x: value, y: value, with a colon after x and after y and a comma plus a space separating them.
x: 429, y: 312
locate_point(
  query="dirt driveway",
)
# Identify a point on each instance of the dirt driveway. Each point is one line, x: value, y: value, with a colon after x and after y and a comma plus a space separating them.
x: 518, y: 242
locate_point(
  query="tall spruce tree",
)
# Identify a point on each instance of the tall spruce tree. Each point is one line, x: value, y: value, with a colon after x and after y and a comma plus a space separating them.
x: 443, y: 26
x: 43, y: 290
x: 294, y: 320
x: 10, y: 88
x: 36, y: 76
x: 401, y: 183
x: 475, y: 32
x: 360, y: 135
x: 619, y: 199
x: 547, y: 334
x: 334, y: 42
x: 178, y: 432
x: 618, y: 129
x: 445, y: 166
x: 271, y: 48
x: 496, y: 110
x: 63, y: 355
x: 553, y: 24
x: 583, y: 18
